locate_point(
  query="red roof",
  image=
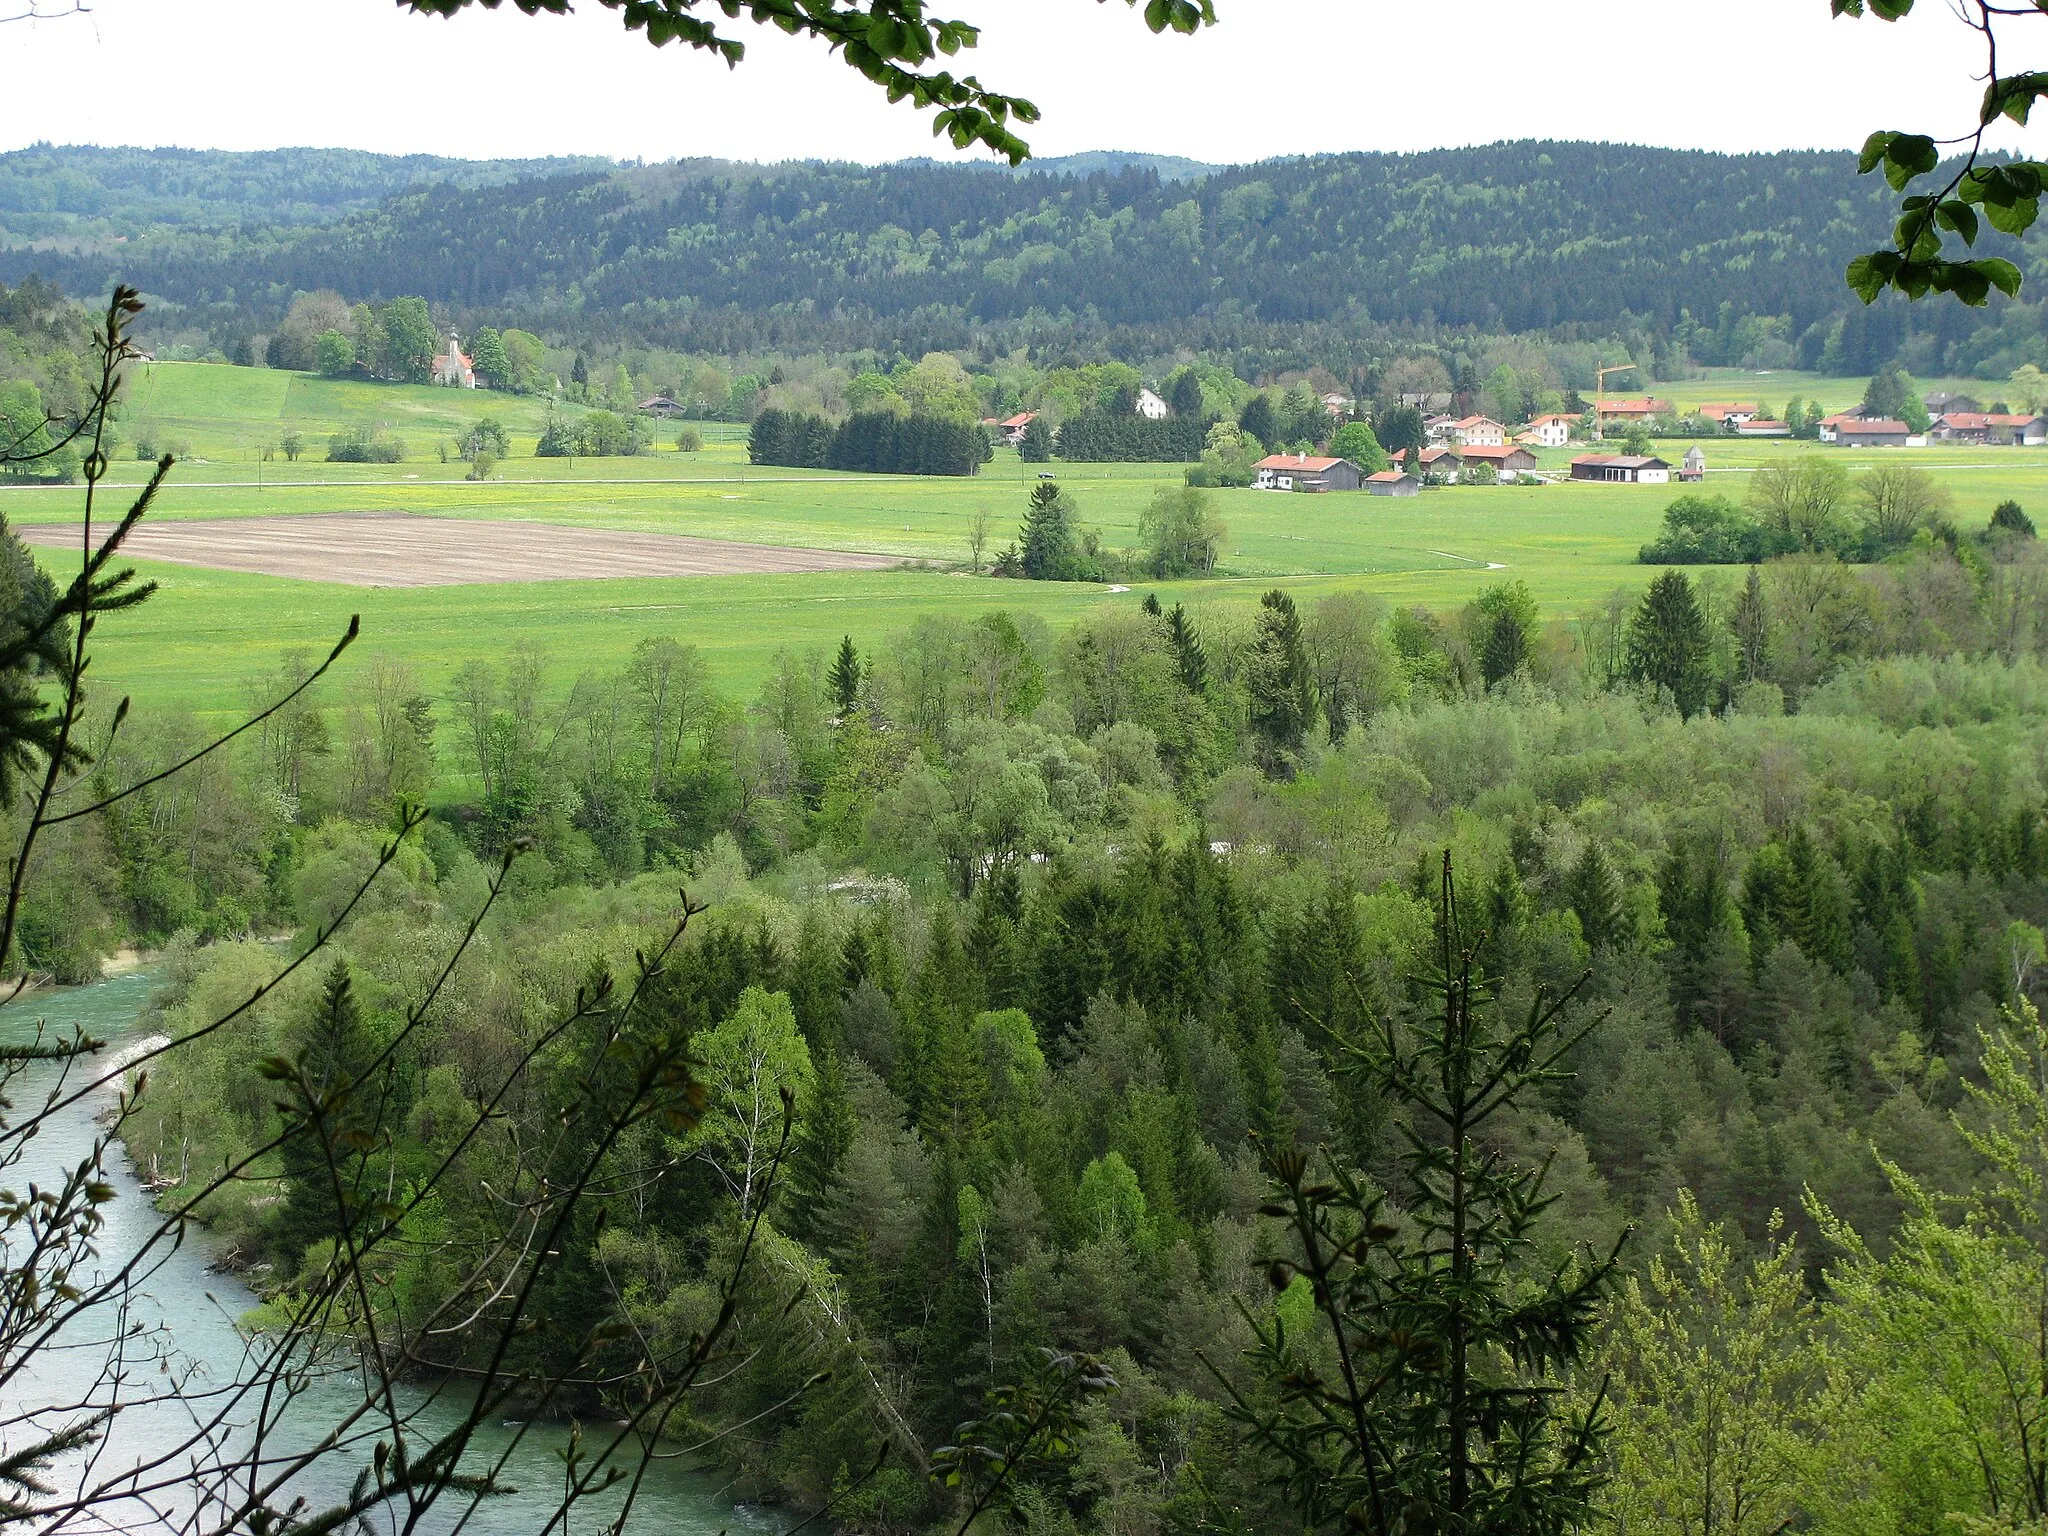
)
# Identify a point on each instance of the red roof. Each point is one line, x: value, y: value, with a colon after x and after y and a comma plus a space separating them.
x: 1721, y: 408
x: 1641, y: 407
x: 1387, y: 475
x: 1493, y: 451
x: 1477, y: 421
x: 1021, y: 419
x: 1758, y: 423
x: 1866, y: 425
x: 1296, y: 461
x: 2010, y: 421
x: 1552, y: 416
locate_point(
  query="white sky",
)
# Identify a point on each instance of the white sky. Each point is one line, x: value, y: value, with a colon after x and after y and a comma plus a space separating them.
x: 1275, y: 77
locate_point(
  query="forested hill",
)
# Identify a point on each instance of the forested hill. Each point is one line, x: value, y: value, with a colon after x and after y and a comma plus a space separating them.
x: 1518, y: 237
x: 72, y: 192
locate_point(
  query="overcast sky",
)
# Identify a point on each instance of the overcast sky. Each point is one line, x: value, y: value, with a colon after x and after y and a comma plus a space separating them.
x: 1274, y: 77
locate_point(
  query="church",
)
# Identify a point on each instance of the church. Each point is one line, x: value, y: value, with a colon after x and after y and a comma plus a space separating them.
x: 452, y: 368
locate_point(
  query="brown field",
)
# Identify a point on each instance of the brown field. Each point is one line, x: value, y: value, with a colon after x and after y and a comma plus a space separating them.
x: 398, y: 549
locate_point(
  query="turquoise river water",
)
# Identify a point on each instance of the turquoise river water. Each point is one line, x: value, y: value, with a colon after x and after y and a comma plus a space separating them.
x: 188, y: 1310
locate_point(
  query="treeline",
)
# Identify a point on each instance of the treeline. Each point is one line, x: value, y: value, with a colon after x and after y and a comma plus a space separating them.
x: 871, y: 442
x: 1099, y: 437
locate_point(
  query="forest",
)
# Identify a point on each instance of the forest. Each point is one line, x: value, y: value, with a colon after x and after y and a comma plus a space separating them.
x: 1064, y: 951
x: 1732, y: 260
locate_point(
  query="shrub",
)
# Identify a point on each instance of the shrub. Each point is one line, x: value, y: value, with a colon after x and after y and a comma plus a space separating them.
x: 362, y: 445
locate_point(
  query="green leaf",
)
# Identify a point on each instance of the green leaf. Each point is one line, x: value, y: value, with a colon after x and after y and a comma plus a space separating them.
x: 2002, y: 274
x: 2013, y: 96
x: 1962, y: 280
x: 1869, y: 275
x: 1873, y: 152
x: 2014, y: 218
x: 1960, y: 217
x: 1909, y: 155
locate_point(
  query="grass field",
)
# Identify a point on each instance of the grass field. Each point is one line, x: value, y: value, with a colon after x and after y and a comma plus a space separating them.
x: 196, y: 645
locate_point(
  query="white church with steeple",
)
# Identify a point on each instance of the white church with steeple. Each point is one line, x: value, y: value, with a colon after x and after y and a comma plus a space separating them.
x: 452, y: 368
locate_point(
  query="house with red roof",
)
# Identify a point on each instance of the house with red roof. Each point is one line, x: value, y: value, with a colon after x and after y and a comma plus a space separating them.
x: 1444, y: 463
x: 1012, y: 428
x: 1507, y: 459
x: 1305, y: 472
x: 1728, y: 413
x: 1393, y: 482
x: 1552, y: 430
x: 1628, y: 412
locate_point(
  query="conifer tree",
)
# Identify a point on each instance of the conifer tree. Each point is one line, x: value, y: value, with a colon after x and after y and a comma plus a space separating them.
x: 329, y: 1112
x: 1423, y: 1391
x: 1752, y: 626
x: 1667, y: 643
x: 1594, y: 894
x: 1191, y: 661
x: 844, y: 678
x: 1035, y: 447
x: 1048, y: 536
x: 1281, y: 683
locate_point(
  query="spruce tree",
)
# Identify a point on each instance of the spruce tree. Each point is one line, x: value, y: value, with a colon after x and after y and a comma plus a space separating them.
x: 1594, y: 894
x: 1189, y: 658
x: 1035, y: 447
x: 1283, y: 701
x: 1752, y: 626
x: 1505, y: 649
x: 329, y: 1113
x: 1419, y: 1385
x: 1667, y: 643
x: 844, y: 678
x: 1048, y: 536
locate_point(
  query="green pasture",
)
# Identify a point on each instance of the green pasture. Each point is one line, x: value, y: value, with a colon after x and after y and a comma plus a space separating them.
x: 227, y: 415
x: 207, y: 633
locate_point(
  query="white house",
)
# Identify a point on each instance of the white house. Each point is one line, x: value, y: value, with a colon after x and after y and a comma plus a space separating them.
x: 1479, y: 432
x: 1553, y: 430
x: 1151, y: 406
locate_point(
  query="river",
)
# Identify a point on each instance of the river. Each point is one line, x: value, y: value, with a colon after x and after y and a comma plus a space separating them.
x: 192, y: 1308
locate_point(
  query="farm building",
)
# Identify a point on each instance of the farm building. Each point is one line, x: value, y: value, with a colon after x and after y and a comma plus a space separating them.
x: 1728, y: 413
x: 1693, y: 468
x: 1446, y: 462
x: 1941, y: 402
x: 660, y: 405
x: 1864, y: 432
x: 1392, y: 482
x: 1977, y: 427
x: 1478, y: 432
x: 1012, y: 427
x: 1507, y: 459
x: 1626, y: 412
x: 1305, y: 472
x: 1151, y: 406
x: 1621, y: 469
x: 1553, y: 430
x: 1831, y: 426
x: 1762, y: 426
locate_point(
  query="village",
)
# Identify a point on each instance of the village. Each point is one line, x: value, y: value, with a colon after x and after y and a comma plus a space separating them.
x: 1477, y: 450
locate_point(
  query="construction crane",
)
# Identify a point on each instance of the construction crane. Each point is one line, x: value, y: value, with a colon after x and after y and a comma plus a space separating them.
x: 1600, y: 388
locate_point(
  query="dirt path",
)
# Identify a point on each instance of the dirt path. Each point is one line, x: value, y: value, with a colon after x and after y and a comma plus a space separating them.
x: 399, y: 549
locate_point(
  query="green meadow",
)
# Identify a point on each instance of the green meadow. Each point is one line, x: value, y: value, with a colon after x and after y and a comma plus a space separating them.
x: 208, y: 632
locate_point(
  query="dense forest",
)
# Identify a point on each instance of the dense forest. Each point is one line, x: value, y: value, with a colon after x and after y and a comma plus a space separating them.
x: 1035, y: 929
x: 1724, y: 259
